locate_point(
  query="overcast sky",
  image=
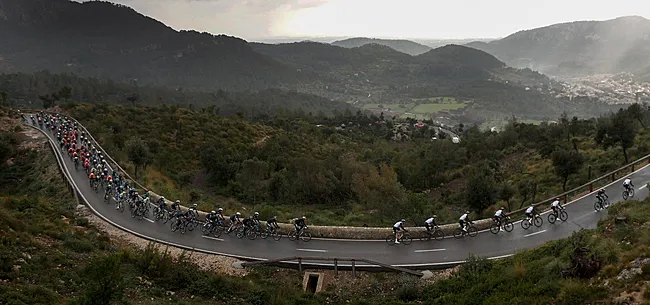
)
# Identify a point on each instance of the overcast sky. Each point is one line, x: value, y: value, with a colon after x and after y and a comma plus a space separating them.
x: 255, y: 19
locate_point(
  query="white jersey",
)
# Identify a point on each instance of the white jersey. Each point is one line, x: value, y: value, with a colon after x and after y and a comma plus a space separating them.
x: 555, y: 203
x: 398, y: 224
x: 627, y: 181
x: 529, y: 210
x: 429, y: 221
x: 464, y: 217
x: 498, y: 213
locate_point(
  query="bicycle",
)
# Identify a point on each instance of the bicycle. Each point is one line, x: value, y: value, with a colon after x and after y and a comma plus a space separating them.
x: 628, y: 192
x: 435, y: 234
x: 211, y: 228
x: 107, y: 196
x: 537, y: 221
x: 403, y: 238
x: 505, y: 225
x: 119, y: 204
x: 179, y: 224
x: 472, y: 231
x: 601, y: 204
x: 159, y: 214
x: 303, y: 235
x: 253, y: 232
x: 554, y: 215
x: 271, y: 231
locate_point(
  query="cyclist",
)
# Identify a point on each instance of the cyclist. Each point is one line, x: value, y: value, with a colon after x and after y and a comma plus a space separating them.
x: 299, y: 224
x: 430, y: 223
x: 556, y: 206
x: 92, y: 178
x: 249, y: 223
x: 272, y: 224
x: 498, y: 215
x: 220, y: 217
x: 399, y: 226
x: 235, y: 219
x: 212, y: 217
x: 530, y: 212
x: 161, y: 204
x: 463, y: 221
x: 601, y: 196
x: 256, y: 218
x: 176, y: 206
x: 627, y: 183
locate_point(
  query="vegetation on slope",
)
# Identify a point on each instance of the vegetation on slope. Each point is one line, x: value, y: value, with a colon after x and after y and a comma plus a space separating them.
x: 41, y: 232
x: 360, y: 174
x: 47, y: 88
x: 404, y: 46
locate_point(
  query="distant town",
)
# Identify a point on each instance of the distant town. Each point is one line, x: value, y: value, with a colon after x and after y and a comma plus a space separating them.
x: 619, y: 88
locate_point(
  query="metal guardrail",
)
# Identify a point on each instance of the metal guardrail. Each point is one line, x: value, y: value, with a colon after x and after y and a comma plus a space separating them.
x: 336, y: 261
x: 590, y: 185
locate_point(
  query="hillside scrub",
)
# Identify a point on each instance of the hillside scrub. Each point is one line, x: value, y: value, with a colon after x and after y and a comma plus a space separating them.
x: 40, y: 231
x: 354, y: 175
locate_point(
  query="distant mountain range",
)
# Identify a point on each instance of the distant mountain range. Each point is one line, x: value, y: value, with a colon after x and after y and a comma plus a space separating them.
x: 109, y: 41
x: 582, y: 47
x: 404, y: 46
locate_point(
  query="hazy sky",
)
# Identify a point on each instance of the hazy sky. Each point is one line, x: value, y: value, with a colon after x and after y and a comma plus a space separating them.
x: 253, y: 19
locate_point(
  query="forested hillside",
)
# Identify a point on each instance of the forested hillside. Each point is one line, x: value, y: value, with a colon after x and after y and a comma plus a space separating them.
x: 404, y: 46
x: 47, y: 88
x: 353, y: 169
x: 40, y: 230
x: 107, y: 41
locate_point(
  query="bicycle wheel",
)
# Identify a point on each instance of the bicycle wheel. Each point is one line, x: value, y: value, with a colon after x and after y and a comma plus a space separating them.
x: 438, y: 235
x: 472, y: 231
x: 183, y: 228
x: 240, y: 233
x: 156, y: 213
x: 508, y: 226
x: 552, y: 218
x: 564, y: 216
x: 495, y: 228
x: 525, y: 224
x: 426, y: 236
x: 631, y: 192
x: 458, y: 233
x: 276, y: 236
x: 192, y: 224
x: 390, y: 239
x: 121, y: 206
x: 251, y: 234
x: 597, y: 206
x: 265, y: 234
x: 538, y: 221
x: 406, y: 239
x: 174, y: 225
x: 205, y: 228
x: 292, y: 236
x: 606, y: 203
x: 625, y: 195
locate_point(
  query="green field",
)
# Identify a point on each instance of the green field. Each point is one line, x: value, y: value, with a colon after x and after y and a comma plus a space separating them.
x: 420, y: 111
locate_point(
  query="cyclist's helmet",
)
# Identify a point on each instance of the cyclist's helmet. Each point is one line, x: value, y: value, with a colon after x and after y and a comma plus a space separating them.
x: 213, y: 212
x: 467, y: 212
x: 220, y: 210
x: 304, y: 217
x: 177, y: 201
x: 403, y: 220
x: 503, y: 208
x: 275, y: 217
x: 257, y: 214
x: 238, y: 214
x: 434, y: 216
x: 162, y: 198
x: 195, y: 205
x: 250, y: 217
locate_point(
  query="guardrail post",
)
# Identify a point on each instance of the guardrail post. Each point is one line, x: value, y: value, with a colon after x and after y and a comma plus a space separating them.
x: 354, y: 270
x: 336, y: 267
x: 300, y: 265
x: 633, y: 167
x: 565, y: 198
x: 591, y: 188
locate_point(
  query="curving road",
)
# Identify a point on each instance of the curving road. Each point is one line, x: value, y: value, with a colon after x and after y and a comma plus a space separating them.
x: 419, y: 255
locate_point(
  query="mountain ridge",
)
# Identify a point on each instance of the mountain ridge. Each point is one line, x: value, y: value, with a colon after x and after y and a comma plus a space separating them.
x: 583, y: 47
x: 401, y: 45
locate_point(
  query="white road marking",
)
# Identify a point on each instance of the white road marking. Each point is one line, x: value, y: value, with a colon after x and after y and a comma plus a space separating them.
x: 311, y: 250
x: 429, y: 250
x: 213, y: 238
x: 644, y: 186
x: 531, y: 234
x: 149, y: 220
